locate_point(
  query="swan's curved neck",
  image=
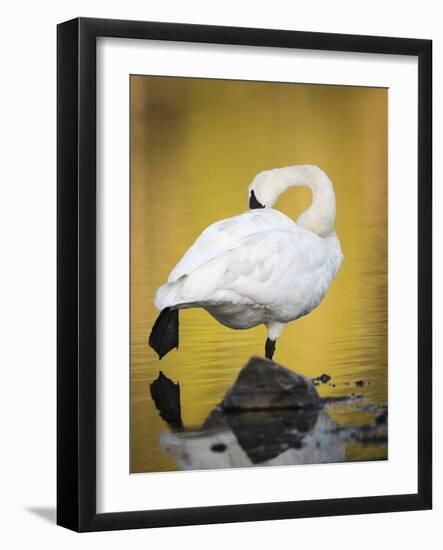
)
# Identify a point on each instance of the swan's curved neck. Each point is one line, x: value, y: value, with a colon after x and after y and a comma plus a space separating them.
x: 320, y: 216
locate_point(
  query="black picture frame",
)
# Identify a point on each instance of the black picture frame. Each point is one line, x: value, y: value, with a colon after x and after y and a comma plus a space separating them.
x: 76, y: 267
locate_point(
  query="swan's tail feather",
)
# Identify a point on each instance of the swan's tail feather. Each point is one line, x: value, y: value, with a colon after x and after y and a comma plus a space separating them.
x: 164, y: 333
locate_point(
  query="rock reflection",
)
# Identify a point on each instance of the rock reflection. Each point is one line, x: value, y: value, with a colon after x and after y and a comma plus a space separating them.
x: 257, y: 439
x: 247, y: 438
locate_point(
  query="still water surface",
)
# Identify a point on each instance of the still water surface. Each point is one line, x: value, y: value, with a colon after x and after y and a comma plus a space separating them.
x: 195, y: 146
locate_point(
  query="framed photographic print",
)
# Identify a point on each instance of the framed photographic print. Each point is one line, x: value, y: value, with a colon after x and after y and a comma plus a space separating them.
x: 253, y: 208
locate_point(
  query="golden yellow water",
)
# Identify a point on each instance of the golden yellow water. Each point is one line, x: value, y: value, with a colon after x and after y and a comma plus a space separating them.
x: 195, y: 146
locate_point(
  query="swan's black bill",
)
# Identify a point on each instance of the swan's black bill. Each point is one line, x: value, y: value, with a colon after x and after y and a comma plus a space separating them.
x: 253, y: 202
x: 164, y: 333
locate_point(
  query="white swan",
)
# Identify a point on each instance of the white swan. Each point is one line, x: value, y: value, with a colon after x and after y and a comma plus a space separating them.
x: 259, y: 267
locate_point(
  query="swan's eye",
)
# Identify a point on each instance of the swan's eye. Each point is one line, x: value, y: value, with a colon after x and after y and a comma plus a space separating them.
x: 253, y: 202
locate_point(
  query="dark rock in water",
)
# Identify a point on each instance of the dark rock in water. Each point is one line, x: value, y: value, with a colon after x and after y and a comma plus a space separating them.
x: 218, y: 448
x: 382, y: 418
x: 323, y: 379
x: 263, y: 384
x: 166, y: 396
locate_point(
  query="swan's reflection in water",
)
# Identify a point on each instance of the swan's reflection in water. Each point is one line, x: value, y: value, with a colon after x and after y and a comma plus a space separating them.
x: 244, y: 439
x: 259, y: 438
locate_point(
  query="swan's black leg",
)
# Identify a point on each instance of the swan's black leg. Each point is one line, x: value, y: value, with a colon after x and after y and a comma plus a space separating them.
x: 164, y: 333
x: 269, y: 348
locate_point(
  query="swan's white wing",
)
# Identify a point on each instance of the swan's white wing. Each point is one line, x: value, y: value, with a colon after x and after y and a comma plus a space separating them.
x: 266, y: 269
x: 225, y: 235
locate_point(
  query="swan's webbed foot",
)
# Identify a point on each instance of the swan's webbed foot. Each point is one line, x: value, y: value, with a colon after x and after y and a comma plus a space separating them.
x: 164, y: 334
x: 269, y: 348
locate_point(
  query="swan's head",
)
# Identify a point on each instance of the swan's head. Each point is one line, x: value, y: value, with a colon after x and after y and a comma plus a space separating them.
x: 264, y: 190
x: 268, y: 185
